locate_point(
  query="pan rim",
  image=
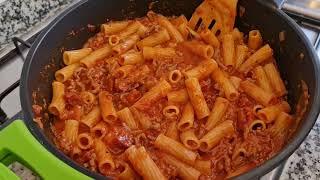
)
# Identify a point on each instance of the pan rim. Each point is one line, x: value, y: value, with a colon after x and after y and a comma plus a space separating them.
x: 258, y: 171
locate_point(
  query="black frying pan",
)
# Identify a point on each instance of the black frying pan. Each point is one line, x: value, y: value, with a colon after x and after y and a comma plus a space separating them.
x: 44, y: 58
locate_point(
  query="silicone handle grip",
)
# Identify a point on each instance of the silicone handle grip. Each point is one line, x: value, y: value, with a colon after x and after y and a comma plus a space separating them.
x: 16, y: 140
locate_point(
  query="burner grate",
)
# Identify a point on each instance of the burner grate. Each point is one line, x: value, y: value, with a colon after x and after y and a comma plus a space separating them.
x: 20, y: 45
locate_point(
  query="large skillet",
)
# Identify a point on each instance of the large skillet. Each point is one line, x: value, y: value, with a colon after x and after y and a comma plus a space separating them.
x: 295, y: 56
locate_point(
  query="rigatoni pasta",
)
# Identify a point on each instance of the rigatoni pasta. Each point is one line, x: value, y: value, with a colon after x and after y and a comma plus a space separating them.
x: 261, y: 55
x: 154, y: 39
x: 143, y: 164
x: 189, y: 139
x: 218, y: 111
x: 126, y: 116
x: 157, y: 52
x: 262, y: 79
x: 114, y: 27
x: 104, y: 158
x: 179, y: 96
x: 230, y: 91
x: 57, y: 104
x: 203, y: 50
x: 213, y: 137
x: 187, y: 118
x: 196, y: 98
x: 159, y: 98
x: 73, y: 56
x: 257, y: 93
x: 255, y: 39
x: 175, y: 148
x: 228, y: 50
x: 100, y: 53
x: 275, y: 79
x: 71, y: 129
x: 174, y: 33
x: 108, y: 111
x: 185, y: 171
x: 203, y: 70
x: 92, y: 118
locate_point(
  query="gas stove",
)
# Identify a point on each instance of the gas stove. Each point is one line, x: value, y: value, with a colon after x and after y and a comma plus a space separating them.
x: 305, y: 12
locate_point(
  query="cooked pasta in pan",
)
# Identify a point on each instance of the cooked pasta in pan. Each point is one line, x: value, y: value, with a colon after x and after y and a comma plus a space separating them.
x: 158, y: 98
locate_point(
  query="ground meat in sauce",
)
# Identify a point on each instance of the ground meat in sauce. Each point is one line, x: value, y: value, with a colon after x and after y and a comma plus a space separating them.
x: 260, y: 145
x: 118, y: 139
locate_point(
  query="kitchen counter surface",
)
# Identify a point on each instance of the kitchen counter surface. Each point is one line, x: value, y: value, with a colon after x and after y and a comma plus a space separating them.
x: 23, y: 18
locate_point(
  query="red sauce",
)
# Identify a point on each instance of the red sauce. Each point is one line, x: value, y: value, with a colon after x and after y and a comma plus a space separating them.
x: 126, y: 91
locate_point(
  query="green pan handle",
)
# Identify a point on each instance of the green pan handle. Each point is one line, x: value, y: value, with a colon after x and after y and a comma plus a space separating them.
x: 16, y: 140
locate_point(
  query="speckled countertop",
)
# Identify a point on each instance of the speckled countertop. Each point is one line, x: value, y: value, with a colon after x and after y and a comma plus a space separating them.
x: 23, y: 18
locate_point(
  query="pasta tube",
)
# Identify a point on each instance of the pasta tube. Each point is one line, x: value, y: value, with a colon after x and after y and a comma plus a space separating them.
x: 172, y: 131
x: 179, y: 96
x: 196, y: 98
x: 282, y: 124
x: 158, y: 91
x: 257, y: 125
x: 219, y: 109
x: 175, y: 76
x: 84, y: 141
x: 104, y: 157
x: 171, y: 111
x: 269, y: 113
x: 114, y: 27
x: 261, y: 96
x: 123, y: 71
x: 99, y: 130
x: 261, y: 55
x: 174, y: 33
x: 212, y: 138
x: 228, y: 50
x: 108, y: 111
x: 203, y: 70
x: 230, y: 91
x: 208, y: 37
x: 130, y: 29
x: 126, y: 116
x: 262, y: 79
x: 74, y: 56
x: 189, y: 139
x: 175, y: 148
x: 57, y: 104
x: 241, y: 54
x: 157, y: 52
x: 255, y: 39
x: 113, y: 40
x: 143, y: 164
x: 92, y: 118
x: 184, y: 171
x: 101, y: 53
x: 275, y: 79
x: 235, y: 81
x: 144, y: 122
x: 126, y: 45
x: 203, y: 166
x: 187, y: 118
x: 126, y: 172
x: 154, y: 39
x: 87, y: 97
x: 205, y: 51
x: 131, y: 58
x: 71, y: 130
